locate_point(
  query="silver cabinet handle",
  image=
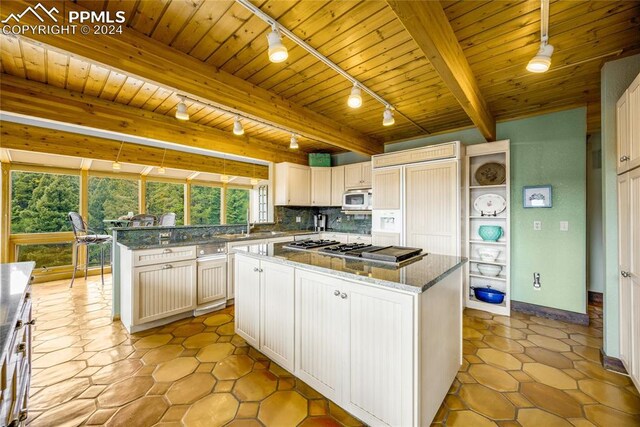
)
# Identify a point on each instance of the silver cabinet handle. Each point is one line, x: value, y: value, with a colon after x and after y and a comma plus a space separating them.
x: 167, y: 251
x: 261, y: 270
x: 624, y: 158
x: 20, y: 323
x: 22, y: 348
x: 256, y: 269
x: 625, y: 274
x: 343, y: 295
x: 167, y: 266
x: 336, y: 292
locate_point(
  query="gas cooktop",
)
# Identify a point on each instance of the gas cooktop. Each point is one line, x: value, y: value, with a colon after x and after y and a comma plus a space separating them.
x: 394, y: 255
x: 310, y: 244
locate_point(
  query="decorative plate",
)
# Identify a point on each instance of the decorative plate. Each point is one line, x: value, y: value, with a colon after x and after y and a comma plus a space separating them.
x: 490, y: 204
x: 491, y: 174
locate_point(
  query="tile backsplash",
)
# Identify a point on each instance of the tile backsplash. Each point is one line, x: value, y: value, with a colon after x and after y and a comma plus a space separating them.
x: 336, y: 220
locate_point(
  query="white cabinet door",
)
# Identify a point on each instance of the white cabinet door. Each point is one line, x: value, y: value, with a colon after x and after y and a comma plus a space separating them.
x: 634, y: 123
x: 320, y: 186
x: 320, y: 332
x: 381, y: 238
x: 337, y: 185
x: 622, y: 132
x: 624, y: 284
x: 366, y: 174
x: 277, y: 332
x: 635, y: 332
x: 380, y: 338
x: 634, y: 269
x: 432, y: 214
x: 293, y: 185
x: 247, y: 304
x: 386, y: 188
x: 212, y: 280
x: 359, y: 238
x: 163, y: 290
x: 353, y: 176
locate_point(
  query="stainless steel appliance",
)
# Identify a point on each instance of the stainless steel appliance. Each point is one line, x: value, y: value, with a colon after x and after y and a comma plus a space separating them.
x: 357, y: 200
x: 319, y: 222
x: 211, y: 251
x: 310, y: 244
x: 389, y: 255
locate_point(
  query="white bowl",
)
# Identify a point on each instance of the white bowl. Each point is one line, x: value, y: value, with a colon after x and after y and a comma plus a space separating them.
x: 488, y: 254
x: 489, y: 270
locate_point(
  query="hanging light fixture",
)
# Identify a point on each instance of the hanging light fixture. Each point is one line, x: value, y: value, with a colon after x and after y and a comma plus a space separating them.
x: 181, y: 110
x: 542, y: 61
x: 387, y: 117
x: 161, y: 168
x: 293, y: 143
x: 277, y: 51
x: 237, y: 127
x: 355, y: 98
x: 116, y: 165
x: 224, y: 177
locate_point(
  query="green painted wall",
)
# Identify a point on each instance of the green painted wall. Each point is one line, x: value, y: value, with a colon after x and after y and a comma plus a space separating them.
x: 615, y: 78
x: 546, y: 149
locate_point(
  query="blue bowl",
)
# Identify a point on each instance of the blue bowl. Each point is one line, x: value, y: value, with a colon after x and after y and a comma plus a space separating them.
x: 490, y: 233
x: 492, y: 296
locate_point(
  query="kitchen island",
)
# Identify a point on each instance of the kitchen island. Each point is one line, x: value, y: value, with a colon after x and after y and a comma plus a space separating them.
x: 383, y: 342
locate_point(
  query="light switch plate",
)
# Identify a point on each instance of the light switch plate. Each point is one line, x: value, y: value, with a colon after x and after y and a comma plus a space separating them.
x: 298, y: 219
x: 537, y: 225
x: 564, y: 225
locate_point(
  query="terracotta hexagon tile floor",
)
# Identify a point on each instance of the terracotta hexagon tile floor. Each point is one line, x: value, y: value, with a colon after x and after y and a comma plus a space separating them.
x: 87, y: 370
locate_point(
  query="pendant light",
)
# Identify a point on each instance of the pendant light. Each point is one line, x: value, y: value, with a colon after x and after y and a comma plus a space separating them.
x: 116, y: 165
x: 161, y: 168
x: 224, y: 177
x: 542, y: 61
x: 181, y: 110
x: 293, y: 143
x: 387, y: 117
x: 237, y: 127
x: 355, y: 98
x: 277, y: 51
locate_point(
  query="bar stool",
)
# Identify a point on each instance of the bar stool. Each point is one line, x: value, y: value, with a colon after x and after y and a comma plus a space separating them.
x: 142, y: 220
x: 85, y: 236
x: 167, y: 220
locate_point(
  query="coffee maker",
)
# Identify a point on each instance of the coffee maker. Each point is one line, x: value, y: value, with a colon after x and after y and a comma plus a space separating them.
x: 319, y: 222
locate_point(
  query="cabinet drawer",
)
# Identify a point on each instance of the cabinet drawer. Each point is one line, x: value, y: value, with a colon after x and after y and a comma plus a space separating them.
x: 163, y: 255
x: 359, y: 238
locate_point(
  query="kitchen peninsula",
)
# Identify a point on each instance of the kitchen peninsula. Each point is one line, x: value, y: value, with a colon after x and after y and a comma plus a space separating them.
x: 382, y: 342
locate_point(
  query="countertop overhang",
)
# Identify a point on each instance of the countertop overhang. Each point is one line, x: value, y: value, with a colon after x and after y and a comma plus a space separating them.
x: 14, y: 280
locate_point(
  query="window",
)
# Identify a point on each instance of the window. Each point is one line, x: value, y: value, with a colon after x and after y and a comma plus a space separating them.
x: 46, y: 255
x: 237, y: 205
x: 205, y: 205
x: 110, y: 198
x: 163, y: 198
x: 40, y: 202
x: 263, y: 192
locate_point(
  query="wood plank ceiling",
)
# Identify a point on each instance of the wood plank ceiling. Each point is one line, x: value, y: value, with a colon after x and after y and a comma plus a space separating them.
x: 366, y: 39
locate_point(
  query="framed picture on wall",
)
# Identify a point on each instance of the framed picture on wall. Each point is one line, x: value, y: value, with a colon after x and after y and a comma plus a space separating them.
x: 536, y: 196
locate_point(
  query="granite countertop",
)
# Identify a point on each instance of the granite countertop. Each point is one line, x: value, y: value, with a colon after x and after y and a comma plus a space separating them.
x: 14, y: 280
x: 414, y: 277
x: 206, y: 239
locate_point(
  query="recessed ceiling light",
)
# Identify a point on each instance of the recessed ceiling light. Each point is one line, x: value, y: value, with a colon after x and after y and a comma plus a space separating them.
x: 277, y: 51
x: 237, y: 127
x: 293, y: 143
x: 355, y: 98
x: 387, y: 117
x: 181, y: 110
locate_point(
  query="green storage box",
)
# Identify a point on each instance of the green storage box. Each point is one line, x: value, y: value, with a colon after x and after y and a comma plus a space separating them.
x: 320, y: 159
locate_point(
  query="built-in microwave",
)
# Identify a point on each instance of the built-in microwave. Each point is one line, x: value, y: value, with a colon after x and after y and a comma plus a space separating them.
x: 357, y: 200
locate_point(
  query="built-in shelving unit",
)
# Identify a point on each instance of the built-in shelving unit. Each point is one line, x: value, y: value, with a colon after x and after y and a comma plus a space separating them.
x: 478, y: 155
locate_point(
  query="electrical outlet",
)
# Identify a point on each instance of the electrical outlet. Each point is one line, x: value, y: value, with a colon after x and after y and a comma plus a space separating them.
x: 298, y: 219
x: 564, y: 225
x: 537, y: 225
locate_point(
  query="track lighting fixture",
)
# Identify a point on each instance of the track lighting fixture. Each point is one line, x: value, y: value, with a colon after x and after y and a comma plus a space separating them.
x: 116, y: 165
x: 181, y: 110
x: 277, y: 51
x: 387, y: 117
x: 355, y: 98
x: 293, y: 143
x: 542, y: 61
x: 237, y: 127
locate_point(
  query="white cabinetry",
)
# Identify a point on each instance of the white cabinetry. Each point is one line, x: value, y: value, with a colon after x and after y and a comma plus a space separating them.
x: 382, y: 238
x: 359, y: 238
x: 265, y: 307
x: 478, y: 155
x: 357, y: 175
x: 337, y: 185
x: 628, y: 127
x: 386, y: 185
x: 320, y: 186
x: 293, y: 184
x: 212, y: 281
x: 339, y: 237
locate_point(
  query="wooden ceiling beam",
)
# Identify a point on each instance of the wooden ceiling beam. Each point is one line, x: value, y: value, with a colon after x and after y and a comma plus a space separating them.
x: 61, y: 105
x: 429, y: 27
x: 19, y: 136
x: 136, y: 54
